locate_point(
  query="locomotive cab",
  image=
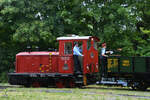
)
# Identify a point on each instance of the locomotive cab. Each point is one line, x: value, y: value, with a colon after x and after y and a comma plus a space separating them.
x: 88, y: 47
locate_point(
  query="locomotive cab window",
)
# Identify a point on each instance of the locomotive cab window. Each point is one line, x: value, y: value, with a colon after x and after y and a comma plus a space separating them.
x: 80, y: 47
x: 88, y: 44
x: 68, y: 48
x: 95, y: 45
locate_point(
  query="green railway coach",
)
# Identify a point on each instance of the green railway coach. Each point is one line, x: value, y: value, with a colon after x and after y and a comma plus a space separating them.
x: 136, y: 70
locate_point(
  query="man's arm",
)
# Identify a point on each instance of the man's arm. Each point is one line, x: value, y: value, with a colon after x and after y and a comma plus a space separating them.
x: 77, y: 52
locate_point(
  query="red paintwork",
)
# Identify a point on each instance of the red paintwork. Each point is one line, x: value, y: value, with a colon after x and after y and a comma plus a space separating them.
x: 69, y: 61
x: 37, y: 62
x: 92, y: 61
x: 54, y: 62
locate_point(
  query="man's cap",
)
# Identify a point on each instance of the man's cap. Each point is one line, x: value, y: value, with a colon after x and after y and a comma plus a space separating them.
x: 103, y: 44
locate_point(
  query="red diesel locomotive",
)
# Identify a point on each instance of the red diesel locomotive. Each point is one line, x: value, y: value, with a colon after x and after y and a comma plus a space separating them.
x: 57, y: 68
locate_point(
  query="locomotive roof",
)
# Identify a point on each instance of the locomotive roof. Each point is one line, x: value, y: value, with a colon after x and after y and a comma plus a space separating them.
x: 76, y: 38
x: 38, y: 53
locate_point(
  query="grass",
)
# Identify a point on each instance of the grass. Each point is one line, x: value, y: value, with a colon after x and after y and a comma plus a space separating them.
x: 92, y: 92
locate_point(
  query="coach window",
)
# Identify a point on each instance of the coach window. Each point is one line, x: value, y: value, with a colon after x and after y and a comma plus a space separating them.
x: 68, y: 48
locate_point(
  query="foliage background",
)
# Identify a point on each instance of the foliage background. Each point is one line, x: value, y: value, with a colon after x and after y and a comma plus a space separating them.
x: 37, y: 23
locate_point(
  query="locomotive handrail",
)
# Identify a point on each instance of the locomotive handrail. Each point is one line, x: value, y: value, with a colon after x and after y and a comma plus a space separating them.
x: 113, y: 55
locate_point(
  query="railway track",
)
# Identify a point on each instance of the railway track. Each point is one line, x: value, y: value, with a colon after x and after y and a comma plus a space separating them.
x: 85, y: 91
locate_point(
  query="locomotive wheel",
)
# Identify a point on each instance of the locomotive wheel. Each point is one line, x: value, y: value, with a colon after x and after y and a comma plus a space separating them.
x: 60, y: 84
x: 71, y: 84
x: 36, y: 84
x: 27, y: 85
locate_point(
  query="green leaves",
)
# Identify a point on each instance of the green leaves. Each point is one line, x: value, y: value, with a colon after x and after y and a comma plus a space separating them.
x: 43, y: 20
x: 90, y: 26
x: 122, y: 11
x: 9, y: 10
x: 33, y: 32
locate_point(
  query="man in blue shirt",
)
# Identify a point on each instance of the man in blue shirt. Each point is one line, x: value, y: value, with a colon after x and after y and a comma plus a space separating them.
x: 103, y: 51
x: 76, y: 50
x: 77, y: 62
x: 103, y: 58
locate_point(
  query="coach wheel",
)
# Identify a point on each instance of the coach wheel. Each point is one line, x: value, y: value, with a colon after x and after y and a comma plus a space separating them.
x: 36, y: 84
x: 142, y: 86
x: 133, y: 85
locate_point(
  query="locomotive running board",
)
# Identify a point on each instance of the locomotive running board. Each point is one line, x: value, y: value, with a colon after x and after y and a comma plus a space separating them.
x: 40, y: 74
